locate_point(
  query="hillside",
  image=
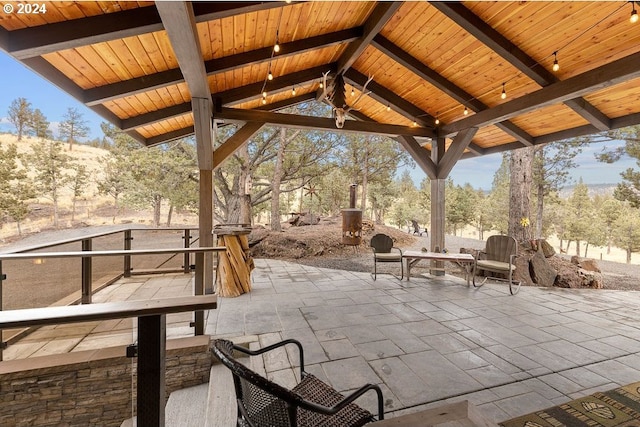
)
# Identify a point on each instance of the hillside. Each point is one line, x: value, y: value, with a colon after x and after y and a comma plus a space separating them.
x: 92, y: 209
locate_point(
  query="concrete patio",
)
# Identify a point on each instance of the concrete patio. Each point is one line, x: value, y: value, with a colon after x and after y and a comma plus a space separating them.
x: 426, y: 342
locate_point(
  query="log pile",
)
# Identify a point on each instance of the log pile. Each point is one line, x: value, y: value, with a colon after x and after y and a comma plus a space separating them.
x: 234, y: 265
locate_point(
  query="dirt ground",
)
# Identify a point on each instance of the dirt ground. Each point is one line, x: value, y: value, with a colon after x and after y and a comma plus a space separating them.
x: 320, y: 246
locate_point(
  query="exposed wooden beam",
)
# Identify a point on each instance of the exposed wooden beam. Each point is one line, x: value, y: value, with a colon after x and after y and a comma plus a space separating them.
x: 290, y: 102
x: 43, y: 39
x: 380, y: 15
x: 218, y: 65
x: 455, y: 151
x: 516, y: 56
x: 419, y: 154
x: 234, y: 142
x: 155, y: 116
x: 318, y: 123
x: 179, y: 22
x: 424, y: 72
x: 284, y: 82
x: 170, y: 136
x: 610, y: 74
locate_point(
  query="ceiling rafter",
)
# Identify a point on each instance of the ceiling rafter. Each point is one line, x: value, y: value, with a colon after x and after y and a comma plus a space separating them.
x: 378, y: 18
x: 40, y: 40
x: 318, y: 123
x: 400, y: 105
x: 229, y: 97
x: 426, y: 73
x: 605, y: 76
x: 218, y: 65
x: 517, y: 57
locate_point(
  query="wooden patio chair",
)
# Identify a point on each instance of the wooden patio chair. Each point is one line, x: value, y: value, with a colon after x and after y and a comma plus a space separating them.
x: 384, y: 251
x: 263, y: 403
x: 498, y: 257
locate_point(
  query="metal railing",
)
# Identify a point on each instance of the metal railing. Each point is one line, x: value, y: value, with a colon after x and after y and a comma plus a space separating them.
x: 29, y: 280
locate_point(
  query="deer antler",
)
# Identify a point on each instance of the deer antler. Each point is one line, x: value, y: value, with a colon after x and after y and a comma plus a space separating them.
x: 325, y: 89
x: 362, y: 94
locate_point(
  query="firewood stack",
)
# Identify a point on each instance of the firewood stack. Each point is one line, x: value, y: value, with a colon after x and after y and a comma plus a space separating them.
x: 235, y: 264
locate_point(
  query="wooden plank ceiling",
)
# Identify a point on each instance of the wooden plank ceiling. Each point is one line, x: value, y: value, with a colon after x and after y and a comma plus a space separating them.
x: 429, y: 61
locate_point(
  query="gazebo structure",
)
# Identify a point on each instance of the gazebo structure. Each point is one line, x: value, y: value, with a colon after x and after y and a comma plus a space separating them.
x: 447, y: 80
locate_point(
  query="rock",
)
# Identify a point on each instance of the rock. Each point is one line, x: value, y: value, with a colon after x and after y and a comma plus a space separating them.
x: 546, y: 248
x: 543, y: 274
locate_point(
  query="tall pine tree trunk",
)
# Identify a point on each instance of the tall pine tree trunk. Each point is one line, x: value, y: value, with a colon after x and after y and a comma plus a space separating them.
x: 519, y: 192
x: 275, y: 184
x: 539, y: 211
x: 169, y: 215
x: 157, y: 203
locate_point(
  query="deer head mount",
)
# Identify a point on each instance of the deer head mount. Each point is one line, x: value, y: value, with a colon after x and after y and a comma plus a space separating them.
x: 335, y: 95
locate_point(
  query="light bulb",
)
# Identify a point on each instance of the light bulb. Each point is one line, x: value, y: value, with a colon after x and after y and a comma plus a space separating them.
x: 503, y: 95
x: 634, y: 16
x: 264, y: 94
x: 353, y: 92
x: 556, y: 66
x: 466, y: 111
x: 437, y: 121
x: 264, y: 101
x: 388, y: 107
x: 270, y: 76
x: 293, y: 91
x: 321, y: 85
x: 276, y: 48
x: 415, y: 123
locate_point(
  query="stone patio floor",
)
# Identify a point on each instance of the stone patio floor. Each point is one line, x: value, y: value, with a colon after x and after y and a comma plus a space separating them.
x: 426, y: 342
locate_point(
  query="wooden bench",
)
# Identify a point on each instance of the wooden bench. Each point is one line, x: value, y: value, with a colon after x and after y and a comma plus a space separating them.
x: 151, y: 347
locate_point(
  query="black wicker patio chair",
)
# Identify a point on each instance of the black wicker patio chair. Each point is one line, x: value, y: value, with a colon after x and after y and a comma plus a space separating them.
x: 311, y: 403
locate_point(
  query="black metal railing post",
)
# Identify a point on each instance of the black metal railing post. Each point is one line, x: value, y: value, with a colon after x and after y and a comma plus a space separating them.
x: 86, y: 272
x: 199, y: 290
x: 2, y: 344
x: 187, y: 244
x: 127, y: 258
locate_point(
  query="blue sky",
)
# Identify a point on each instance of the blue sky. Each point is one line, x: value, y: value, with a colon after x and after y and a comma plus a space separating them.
x: 18, y: 81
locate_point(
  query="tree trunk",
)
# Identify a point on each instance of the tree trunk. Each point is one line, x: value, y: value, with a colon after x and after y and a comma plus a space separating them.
x: 519, y: 192
x: 578, y: 247
x: 157, y: 203
x: 275, y: 184
x: 169, y: 215
x: 628, y: 255
x: 539, y: 211
x: 365, y: 182
x: 55, y: 211
x: 586, y: 248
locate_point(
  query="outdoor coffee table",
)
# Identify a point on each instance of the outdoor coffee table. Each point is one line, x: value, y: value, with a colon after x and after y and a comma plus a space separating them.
x: 413, y: 257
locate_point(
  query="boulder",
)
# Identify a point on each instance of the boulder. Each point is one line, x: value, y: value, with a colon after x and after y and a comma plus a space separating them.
x: 546, y: 248
x: 542, y: 272
x: 588, y: 264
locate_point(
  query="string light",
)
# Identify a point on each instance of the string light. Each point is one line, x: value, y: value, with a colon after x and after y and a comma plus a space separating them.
x: 634, y: 14
x: 388, y: 107
x: 276, y: 48
x: 466, y: 111
x: 503, y: 95
x: 293, y: 91
x: 270, y: 76
x: 437, y: 119
x: 353, y: 92
x: 415, y: 123
x: 556, y: 66
x: 321, y: 84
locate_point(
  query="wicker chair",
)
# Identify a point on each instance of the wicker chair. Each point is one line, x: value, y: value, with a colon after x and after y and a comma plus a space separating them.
x: 498, y: 257
x: 384, y: 251
x: 311, y: 403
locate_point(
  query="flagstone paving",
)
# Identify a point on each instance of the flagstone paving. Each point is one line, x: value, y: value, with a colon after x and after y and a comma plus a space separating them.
x: 426, y: 342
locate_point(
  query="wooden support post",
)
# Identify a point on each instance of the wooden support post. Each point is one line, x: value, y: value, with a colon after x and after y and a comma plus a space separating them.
x: 152, y: 344
x: 437, y: 207
x: 86, y: 272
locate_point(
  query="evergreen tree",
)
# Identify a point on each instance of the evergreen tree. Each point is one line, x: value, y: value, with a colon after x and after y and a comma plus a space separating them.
x: 497, y: 204
x: 629, y: 188
x: 626, y: 231
x: 52, y: 175
x: 15, y: 186
x: 77, y: 183
x: 73, y: 127
x: 580, y: 215
x: 39, y: 125
x: 20, y: 115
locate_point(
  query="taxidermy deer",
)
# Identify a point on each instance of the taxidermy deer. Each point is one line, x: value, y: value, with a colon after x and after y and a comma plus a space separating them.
x: 337, y: 98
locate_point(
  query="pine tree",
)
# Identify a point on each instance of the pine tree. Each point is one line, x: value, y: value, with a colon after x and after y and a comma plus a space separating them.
x: 73, y: 127
x: 20, y: 114
x: 39, y: 125
x: 15, y: 186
